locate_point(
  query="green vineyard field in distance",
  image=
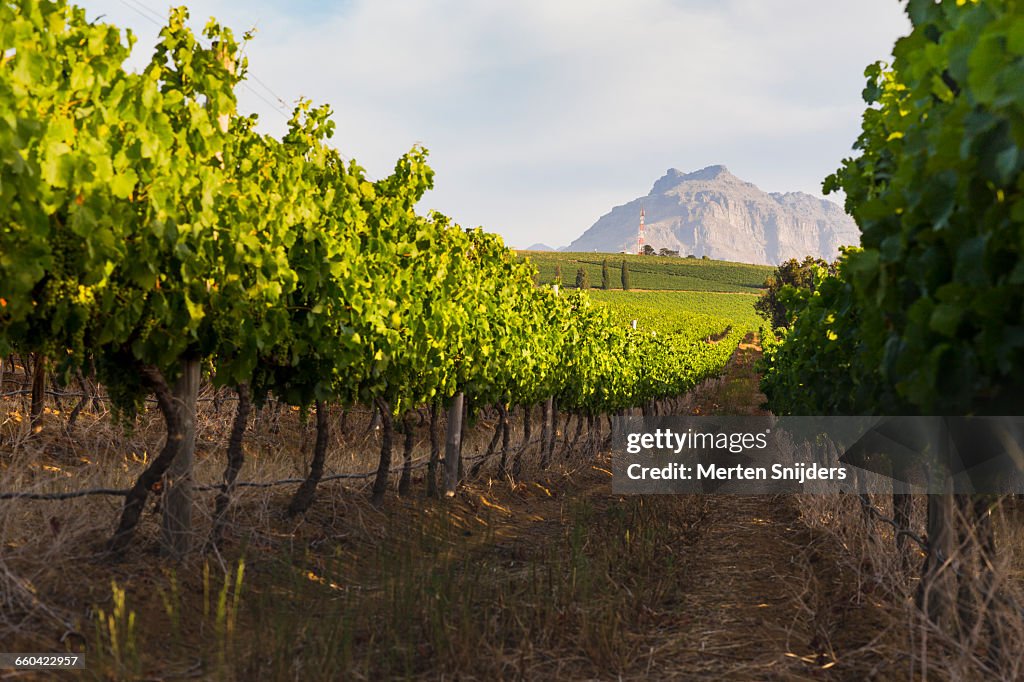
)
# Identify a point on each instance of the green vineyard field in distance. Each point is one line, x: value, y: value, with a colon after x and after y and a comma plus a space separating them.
x: 697, y: 330
x: 719, y: 304
x: 627, y: 306
x: 652, y: 272
x: 667, y: 310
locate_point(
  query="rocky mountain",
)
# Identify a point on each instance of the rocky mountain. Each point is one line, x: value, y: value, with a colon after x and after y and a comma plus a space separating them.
x: 713, y: 213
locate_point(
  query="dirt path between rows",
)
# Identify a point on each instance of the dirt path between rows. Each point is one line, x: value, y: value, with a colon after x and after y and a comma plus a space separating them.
x: 761, y: 598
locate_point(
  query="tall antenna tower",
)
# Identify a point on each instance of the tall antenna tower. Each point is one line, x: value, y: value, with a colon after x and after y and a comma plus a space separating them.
x: 640, y: 236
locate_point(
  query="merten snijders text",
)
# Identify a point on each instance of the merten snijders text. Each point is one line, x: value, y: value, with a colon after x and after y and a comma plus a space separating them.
x: 676, y: 471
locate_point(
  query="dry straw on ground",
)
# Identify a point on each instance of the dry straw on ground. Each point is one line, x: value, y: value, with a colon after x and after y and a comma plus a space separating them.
x: 549, y: 576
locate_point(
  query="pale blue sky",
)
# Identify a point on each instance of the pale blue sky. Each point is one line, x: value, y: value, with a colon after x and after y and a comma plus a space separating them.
x: 541, y: 115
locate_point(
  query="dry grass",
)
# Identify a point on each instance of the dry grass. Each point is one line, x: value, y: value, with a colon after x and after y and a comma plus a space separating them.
x: 855, y: 595
x: 883, y: 579
x: 548, y: 577
x: 45, y: 542
x: 56, y: 583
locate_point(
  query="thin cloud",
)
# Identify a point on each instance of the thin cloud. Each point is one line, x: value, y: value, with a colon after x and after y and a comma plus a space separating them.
x: 540, y: 116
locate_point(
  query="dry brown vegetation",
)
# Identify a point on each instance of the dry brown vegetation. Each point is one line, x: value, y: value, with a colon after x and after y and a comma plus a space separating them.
x: 550, y: 576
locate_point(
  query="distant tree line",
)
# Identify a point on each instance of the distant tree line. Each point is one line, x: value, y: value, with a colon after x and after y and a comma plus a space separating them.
x: 648, y: 250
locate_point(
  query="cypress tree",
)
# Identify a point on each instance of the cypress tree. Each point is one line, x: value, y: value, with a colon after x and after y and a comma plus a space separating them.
x: 558, y: 273
x: 606, y: 280
x: 625, y: 275
x: 582, y: 281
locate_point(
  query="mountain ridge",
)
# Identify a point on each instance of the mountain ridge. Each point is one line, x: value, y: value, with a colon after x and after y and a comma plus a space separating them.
x: 711, y: 212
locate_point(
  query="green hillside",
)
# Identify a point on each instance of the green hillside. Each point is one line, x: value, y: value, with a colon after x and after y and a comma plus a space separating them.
x: 652, y: 272
x: 656, y: 309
